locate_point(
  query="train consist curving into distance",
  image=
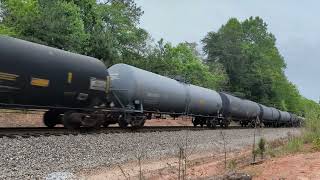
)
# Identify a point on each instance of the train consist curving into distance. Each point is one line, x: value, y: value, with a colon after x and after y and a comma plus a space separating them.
x: 76, y: 90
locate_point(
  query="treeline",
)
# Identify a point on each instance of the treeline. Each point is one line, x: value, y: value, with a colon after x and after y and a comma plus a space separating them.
x: 241, y: 57
x: 253, y: 63
x: 108, y: 31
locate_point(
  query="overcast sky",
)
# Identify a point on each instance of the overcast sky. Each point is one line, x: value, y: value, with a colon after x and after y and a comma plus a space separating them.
x: 295, y: 24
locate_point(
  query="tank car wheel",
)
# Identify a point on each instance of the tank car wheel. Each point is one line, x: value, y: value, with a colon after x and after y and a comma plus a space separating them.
x: 211, y: 124
x: 174, y: 116
x: 194, y: 122
x: 225, y: 122
x: 71, y: 120
x: 244, y: 124
x: 138, y: 125
x: 224, y: 125
x: 95, y: 120
x: 123, y: 124
x: 50, y: 118
x: 122, y: 120
x: 194, y: 125
x: 253, y: 124
x: 138, y: 120
x: 274, y: 125
x: 106, y: 125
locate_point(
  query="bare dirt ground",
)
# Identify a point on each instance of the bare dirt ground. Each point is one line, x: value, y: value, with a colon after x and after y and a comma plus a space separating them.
x: 10, y: 118
x: 203, y: 166
x: 170, y: 122
x: 211, y: 166
x: 299, y: 166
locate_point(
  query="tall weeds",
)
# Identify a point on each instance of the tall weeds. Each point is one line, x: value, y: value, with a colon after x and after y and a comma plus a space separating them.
x: 310, y: 132
x: 312, y: 126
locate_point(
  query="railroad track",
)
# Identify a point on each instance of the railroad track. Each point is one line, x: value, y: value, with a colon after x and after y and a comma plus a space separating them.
x: 26, y: 132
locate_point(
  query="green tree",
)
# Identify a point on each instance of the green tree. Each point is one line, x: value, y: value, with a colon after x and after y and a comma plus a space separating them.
x: 225, y: 47
x: 54, y: 23
x: 120, y: 19
x: 18, y: 15
x: 60, y: 24
x: 108, y: 31
x: 183, y: 62
x: 253, y: 63
x: 7, y: 31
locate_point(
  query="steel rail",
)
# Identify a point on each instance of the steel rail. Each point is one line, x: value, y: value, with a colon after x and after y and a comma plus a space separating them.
x: 26, y: 132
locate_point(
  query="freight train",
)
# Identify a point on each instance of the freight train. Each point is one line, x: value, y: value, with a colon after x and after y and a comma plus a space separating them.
x: 77, y: 90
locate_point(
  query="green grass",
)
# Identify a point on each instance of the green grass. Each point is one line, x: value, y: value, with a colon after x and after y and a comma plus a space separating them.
x: 316, y: 144
x: 310, y: 135
x: 294, y: 145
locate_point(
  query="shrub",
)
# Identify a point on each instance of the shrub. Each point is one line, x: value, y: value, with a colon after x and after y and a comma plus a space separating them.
x: 261, y: 146
x: 316, y: 143
x: 294, y: 145
x: 232, y: 165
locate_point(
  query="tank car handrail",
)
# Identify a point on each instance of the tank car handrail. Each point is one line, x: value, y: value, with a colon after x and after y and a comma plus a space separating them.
x: 181, y: 114
x: 118, y: 89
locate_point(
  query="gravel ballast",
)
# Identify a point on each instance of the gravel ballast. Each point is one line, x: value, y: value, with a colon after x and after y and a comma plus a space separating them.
x: 40, y: 157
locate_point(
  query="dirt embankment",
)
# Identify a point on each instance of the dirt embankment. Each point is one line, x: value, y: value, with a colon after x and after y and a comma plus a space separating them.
x: 204, y: 165
x: 212, y: 166
x: 9, y: 118
x: 299, y: 166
